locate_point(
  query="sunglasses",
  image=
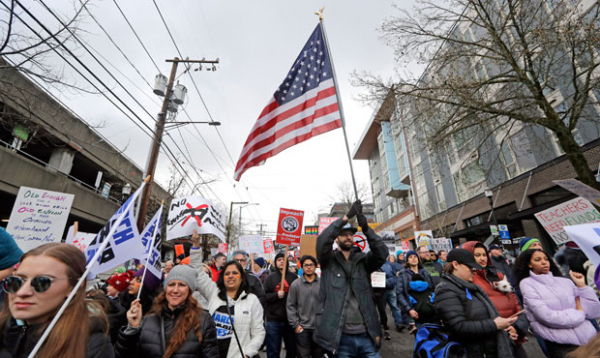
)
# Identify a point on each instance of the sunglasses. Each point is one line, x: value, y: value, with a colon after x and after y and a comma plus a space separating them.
x: 40, y: 284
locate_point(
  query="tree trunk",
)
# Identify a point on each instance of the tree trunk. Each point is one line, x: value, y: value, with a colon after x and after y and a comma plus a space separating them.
x: 576, y: 157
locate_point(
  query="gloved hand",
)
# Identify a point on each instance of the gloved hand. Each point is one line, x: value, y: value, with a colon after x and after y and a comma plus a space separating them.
x: 356, y: 208
x: 363, y: 223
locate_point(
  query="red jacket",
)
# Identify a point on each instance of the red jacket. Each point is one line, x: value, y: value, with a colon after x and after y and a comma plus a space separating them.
x: 506, y: 303
x: 215, y: 273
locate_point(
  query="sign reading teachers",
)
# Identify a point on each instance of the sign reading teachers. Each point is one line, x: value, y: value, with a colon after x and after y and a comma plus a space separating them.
x: 38, y: 217
x: 573, y: 212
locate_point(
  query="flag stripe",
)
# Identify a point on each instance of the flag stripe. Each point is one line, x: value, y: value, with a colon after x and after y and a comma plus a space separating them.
x: 285, y: 119
x: 263, y: 157
x: 328, y: 113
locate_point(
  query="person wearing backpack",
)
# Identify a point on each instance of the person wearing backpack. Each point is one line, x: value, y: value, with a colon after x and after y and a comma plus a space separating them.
x: 467, y: 312
x: 412, y: 266
x: 421, y: 298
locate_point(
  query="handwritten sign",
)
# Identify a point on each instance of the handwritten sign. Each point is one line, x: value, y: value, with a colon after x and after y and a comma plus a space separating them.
x: 194, y: 212
x: 441, y: 244
x: 573, y: 212
x: 324, y: 223
x: 378, y: 279
x: 289, y: 229
x: 38, y: 217
x: 252, y: 244
x: 577, y: 187
x: 80, y: 239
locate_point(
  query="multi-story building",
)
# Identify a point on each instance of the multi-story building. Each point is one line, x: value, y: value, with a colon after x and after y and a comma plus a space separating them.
x: 450, y: 181
x: 45, y: 145
x: 383, y: 145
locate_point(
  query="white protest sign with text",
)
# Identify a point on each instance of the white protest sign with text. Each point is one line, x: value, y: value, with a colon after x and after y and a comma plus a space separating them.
x: 441, y: 244
x: 38, y: 217
x: 194, y: 212
x: 378, y: 279
x: 252, y: 244
x: 587, y: 236
x: 572, y: 212
x: 577, y: 187
x: 81, y: 239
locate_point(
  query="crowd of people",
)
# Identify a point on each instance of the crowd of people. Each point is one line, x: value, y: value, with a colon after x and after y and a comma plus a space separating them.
x: 319, y: 306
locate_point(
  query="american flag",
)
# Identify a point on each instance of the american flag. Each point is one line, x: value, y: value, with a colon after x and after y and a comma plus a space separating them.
x: 304, y: 105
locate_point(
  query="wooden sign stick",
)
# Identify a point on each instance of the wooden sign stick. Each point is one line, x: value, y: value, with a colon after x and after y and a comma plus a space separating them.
x: 284, y: 268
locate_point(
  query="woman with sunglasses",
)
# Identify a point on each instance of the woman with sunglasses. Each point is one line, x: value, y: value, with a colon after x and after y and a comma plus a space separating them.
x: 558, y: 308
x: 176, y: 326
x: 467, y: 312
x: 229, y: 302
x: 36, y: 290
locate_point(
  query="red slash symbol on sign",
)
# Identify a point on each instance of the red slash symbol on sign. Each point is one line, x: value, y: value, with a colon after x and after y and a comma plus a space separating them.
x: 193, y: 213
x: 361, y: 243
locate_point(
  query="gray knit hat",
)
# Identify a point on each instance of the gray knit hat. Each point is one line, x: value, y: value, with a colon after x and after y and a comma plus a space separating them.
x: 182, y: 273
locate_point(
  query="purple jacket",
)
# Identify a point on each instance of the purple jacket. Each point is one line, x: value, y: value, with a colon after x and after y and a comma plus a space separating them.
x: 551, y: 309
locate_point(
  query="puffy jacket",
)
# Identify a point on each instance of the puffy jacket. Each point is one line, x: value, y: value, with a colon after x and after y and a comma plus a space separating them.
x: 148, y: 341
x: 404, y: 279
x: 390, y: 276
x: 275, y: 309
x: 337, y: 281
x: 18, y: 341
x: 247, y: 316
x: 466, y: 317
x: 551, y: 309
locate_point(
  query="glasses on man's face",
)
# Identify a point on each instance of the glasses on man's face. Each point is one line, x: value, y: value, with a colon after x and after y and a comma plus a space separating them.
x: 308, y: 265
x: 40, y: 284
x: 242, y: 261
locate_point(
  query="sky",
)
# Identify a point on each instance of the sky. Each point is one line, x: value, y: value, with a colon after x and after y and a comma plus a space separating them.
x: 256, y: 43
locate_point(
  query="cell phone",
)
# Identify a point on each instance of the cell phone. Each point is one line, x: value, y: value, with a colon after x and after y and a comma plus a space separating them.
x: 518, y: 313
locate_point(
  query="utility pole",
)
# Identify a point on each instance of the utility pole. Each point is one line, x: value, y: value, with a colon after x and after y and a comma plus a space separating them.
x: 230, y: 214
x: 261, y: 228
x: 158, y: 133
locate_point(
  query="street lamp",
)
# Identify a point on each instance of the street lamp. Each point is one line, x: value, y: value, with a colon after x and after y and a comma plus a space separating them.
x: 490, y: 195
x: 241, y: 207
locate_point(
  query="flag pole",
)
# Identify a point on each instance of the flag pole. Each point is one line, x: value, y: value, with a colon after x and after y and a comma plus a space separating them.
x: 83, y: 277
x: 150, y: 248
x: 339, y: 98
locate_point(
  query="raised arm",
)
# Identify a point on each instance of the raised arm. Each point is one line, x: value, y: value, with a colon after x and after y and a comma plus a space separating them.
x: 204, y: 284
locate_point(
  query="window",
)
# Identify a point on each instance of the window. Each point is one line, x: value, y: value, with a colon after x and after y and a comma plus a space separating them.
x: 508, y: 159
x: 439, y: 190
x: 466, y: 179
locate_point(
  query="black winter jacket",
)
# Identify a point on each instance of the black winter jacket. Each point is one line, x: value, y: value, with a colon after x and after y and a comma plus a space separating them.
x: 148, y: 342
x: 256, y: 287
x: 337, y: 281
x: 466, y: 317
x: 404, y: 278
x: 117, y: 318
x: 275, y: 307
x: 18, y: 341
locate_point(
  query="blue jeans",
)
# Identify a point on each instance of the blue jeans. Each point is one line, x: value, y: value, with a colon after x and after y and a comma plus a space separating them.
x: 356, y: 346
x: 275, y: 331
x: 392, y: 300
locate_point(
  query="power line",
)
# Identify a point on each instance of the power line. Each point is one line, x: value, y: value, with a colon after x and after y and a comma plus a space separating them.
x: 136, y: 35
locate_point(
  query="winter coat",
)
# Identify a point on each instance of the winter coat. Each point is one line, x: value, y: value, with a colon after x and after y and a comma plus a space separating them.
x: 337, y: 281
x: 256, y: 287
x: 468, y: 315
x: 390, y: 276
x: 275, y: 308
x: 247, y: 316
x: 146, y: 299
x: 148, y: 341
x: 434, y: 269
x: 404, y: 278
x: 421, y: 299
x: 552, y: 312
x: 262, y: 275
x: 18, y: 340
x: 397, y: 266
x: 117, y: 318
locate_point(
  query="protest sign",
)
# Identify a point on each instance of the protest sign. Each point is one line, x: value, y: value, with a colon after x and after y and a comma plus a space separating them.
x: 577, y: 187
x: 289, y: 228
x: 38, y: 217
x: 572, y: 212
x: 194, y: 212
x: 222, y: 248
x: 587, y: 236
x: 152, y: 242
x: 360, y: 240
x: 252, y: 244
x: 311, y: 230
x: 324, y: 223
x: 213, y: 251
x: 441, y: 244
x: 308, y: 245
x: 80, y: 239
x: 405, y: 245
x: 389, y: 239
x: 124, y: 244
x: 268, y: 246
x: 378, y: 279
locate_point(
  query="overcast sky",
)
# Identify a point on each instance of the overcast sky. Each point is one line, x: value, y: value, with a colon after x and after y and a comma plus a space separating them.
x: 256, y: 43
